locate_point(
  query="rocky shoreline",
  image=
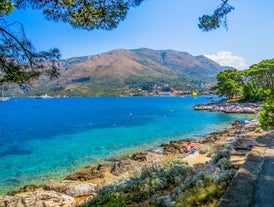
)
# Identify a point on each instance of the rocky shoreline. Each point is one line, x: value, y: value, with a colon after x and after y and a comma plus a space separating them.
x: 251, y: 108
x: 82, y: 185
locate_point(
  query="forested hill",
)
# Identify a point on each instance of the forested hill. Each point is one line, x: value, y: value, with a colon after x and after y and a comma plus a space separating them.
x: 138, y: 71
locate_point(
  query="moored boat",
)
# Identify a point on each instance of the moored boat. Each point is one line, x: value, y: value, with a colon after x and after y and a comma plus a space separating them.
x: 3, y: 99
x: 45, y: 96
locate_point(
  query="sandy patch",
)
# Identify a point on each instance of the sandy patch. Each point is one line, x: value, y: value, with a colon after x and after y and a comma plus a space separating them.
x: 196, y: 159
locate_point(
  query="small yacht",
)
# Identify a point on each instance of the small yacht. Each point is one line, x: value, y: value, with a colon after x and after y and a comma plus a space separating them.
x: 3, y: 98
x: 45, y: 96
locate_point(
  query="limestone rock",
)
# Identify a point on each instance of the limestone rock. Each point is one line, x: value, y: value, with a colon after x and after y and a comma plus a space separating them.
x: 122, y: 167
x: 39, y: 198
x: 86, y: 173
x: 71, y: 187
x: 103, y: 168
x: 174, y: 147
x: 27, y: 188
x: 140, y: 156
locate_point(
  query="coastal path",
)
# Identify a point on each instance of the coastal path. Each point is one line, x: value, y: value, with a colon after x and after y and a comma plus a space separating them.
x: 253, y: 184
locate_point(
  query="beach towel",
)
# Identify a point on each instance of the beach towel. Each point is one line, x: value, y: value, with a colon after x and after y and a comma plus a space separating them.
x: 189, y: 153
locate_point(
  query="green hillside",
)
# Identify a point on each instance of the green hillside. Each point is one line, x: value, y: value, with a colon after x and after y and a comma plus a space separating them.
x: 136, y: 72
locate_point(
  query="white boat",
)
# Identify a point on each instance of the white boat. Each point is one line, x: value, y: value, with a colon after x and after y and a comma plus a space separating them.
x: 4, y: 99
x: 45, y: 96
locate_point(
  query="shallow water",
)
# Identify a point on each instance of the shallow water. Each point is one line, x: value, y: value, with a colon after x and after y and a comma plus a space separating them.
x: 43, y: 139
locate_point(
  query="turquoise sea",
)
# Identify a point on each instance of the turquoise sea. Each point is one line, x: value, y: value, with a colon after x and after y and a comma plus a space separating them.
x: 43, y: 139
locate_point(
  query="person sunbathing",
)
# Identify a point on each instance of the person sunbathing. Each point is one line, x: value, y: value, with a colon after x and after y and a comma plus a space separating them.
x: 190, y: 147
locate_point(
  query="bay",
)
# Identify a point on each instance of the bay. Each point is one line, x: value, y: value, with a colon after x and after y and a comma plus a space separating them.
x: 42, y: 139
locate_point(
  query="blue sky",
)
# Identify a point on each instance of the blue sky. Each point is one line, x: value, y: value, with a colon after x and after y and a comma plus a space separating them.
x: 162, y: 24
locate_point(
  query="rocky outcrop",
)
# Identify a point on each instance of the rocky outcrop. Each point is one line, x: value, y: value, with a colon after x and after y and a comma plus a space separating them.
x: 123, y: 166
x: 229, y: 107
x: 174, y: 147
x: 27, y: 188
x: 39, y: 198
x: 140, y: 156
x: 71, y: 188
x: 65, y: 193
x: 88, y: 173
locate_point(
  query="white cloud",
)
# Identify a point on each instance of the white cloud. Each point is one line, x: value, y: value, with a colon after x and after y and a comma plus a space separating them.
x: 226, y: 58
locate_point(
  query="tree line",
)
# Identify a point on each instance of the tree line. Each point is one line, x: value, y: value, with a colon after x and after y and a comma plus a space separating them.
x: 251, y: 85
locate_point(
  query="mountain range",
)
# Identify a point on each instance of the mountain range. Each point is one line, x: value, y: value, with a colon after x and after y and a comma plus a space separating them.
x: 138, y: 72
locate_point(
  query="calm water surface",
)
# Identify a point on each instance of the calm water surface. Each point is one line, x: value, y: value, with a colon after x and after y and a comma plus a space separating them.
x: 43, y: 139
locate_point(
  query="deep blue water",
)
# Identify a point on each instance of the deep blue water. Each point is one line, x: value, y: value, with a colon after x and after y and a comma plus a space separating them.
x: 43, y: 139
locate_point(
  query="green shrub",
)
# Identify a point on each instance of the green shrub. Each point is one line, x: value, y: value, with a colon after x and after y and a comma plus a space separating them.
x: 258, y: 129
x: 152, y: 169
x: 201, y: 190
x: 221, y: 153
x: 152, y: 179
x: 225, y: 176
x: 177, y: 162
x: 224, y: 163
x: 206, y: 195
x: 163, y: 201
x: 128, y: 186
x: 199, y: 179
x: 107, y: 200
x: 117, y: 199
x: 158, y: 183
x: 266, y: 116
x: 177, y: 174
x: 137, y: 197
